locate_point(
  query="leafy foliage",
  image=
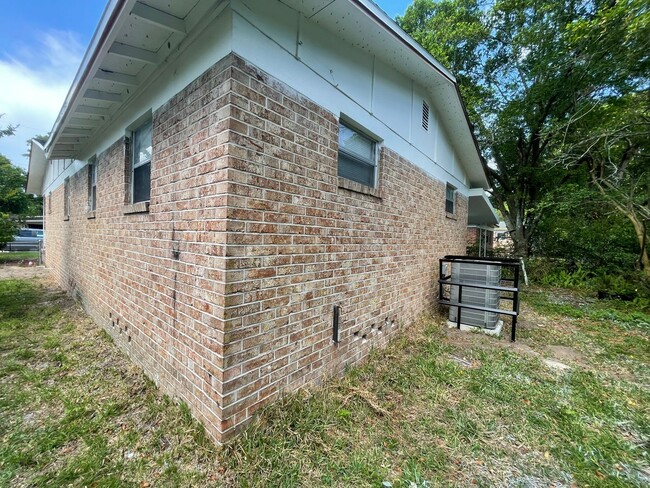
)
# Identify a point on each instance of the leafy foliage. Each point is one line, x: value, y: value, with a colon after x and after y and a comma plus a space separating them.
x: 581, y: 229
x: 527, y: 69
x: 611, y: 141
x: 8, y: 130
x: 14, y: 201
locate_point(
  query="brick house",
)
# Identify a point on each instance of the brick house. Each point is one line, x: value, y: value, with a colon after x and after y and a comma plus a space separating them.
x: 224, y: 174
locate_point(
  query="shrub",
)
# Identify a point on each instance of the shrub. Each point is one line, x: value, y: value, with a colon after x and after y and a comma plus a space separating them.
x: 629, y: 286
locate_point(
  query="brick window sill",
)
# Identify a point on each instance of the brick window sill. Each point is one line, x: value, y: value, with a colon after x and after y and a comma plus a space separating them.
x: 451, y: 216
x: 358, y: 187
x: 66, y: 218
x: 90, y: 214
x: 136, y: 208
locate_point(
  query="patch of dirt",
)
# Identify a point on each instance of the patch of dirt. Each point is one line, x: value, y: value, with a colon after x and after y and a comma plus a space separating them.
x: 464, y: 340
x: 522, y: 348
x: 564, y: 353
x: 467, y: 340
x: 11, y: 271
x: 562, y: 296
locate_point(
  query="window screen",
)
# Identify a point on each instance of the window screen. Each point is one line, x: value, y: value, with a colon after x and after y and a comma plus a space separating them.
x: 142, y: 183
x: 357, y: 158
x: 141, y: 177
x: 450, y: 199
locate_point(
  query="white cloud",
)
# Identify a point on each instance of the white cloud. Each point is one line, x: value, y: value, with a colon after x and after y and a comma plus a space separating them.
x: 33, y: 85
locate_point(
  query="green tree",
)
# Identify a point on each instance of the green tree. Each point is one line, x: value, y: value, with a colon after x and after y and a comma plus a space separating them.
x: 527, y: 69
x: 15, y: 203
x: 611, y: 140
x: 7, y: 131
x: 584, y: 231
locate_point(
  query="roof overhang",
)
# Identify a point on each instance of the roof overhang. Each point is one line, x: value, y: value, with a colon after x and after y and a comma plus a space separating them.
x: 133, y: 39
x: 480, y: 211
x: 136, y: 37
x: 37, y: 168
x: 364, y: 25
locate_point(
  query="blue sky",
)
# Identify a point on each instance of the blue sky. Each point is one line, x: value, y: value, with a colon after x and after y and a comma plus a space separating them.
x: 41, y: 45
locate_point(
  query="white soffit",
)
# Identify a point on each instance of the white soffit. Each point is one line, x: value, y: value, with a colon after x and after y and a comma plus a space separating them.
x: 126, y: 50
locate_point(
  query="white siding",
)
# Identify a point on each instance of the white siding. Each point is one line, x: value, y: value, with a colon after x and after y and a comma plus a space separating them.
x: 347, y: 80
x: 392, y: 100
x: 337, y: 76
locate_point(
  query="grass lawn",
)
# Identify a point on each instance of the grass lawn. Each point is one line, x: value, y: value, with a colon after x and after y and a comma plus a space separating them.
x: 17, y: 256
x: 74, y: 411
x: 436, y: 408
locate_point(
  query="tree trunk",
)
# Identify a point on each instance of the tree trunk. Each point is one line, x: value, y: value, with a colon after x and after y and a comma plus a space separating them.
x: 521, y: 245
x: 519, y: 234
x: 640, y: 231
x: 638, y: 224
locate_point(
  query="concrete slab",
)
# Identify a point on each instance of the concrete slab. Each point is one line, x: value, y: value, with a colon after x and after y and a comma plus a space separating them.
x: 470, y: 328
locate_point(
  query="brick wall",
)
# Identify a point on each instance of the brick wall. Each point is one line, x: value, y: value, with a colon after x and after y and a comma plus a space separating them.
x: 298, y: 244
x: 224, y: 291
x: 155, y: 281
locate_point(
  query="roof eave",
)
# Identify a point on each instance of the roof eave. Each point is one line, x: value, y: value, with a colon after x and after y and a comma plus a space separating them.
x: 377, y: 14
x: 111, y: 13
x: 36, y: 169
x: 481, y: 212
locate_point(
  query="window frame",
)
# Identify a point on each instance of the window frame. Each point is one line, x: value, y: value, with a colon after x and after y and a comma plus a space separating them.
x: 147, y: 121
x: 92, y: 184
x: 66, y: 199
x: 450, y: 201
x: 373, y: 162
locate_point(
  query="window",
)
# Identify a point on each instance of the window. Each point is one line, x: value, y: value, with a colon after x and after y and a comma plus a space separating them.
x: 425, y: 115
x: 92, y: 184
x: 66, y: 199
x: 450, y: 199
x: 357, y: 156
x: 141, y: 163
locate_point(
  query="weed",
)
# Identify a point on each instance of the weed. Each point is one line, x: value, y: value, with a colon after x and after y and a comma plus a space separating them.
x: 578, y: 278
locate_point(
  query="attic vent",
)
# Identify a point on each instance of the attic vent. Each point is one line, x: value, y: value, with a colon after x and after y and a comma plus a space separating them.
x: 425, y: 115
